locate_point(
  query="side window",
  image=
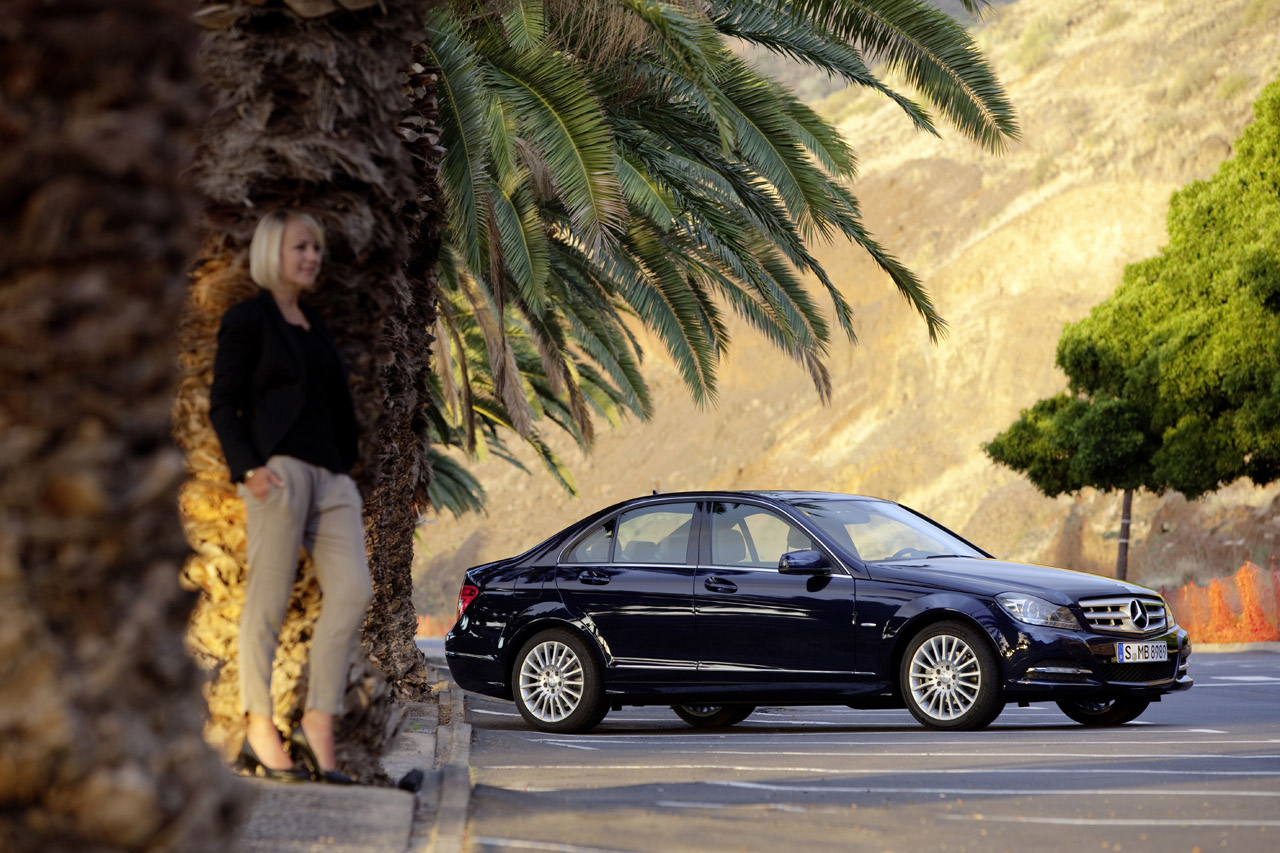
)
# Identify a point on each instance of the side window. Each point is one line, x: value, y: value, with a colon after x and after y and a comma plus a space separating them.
x: 655, y: 534
x: 595, y: 548
x: 746, y: 535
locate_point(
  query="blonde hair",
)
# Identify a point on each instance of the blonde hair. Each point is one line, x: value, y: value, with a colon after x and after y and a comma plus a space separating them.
x: 264, y: 250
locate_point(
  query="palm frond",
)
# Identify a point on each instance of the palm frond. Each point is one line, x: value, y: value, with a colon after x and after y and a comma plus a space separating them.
x: 932, y: 52
x: 524, y: 243
x: 525, y: 23
x: 452, y: 486
x: 557, y: 115
x: 693, y: 45
x: 763, y: 23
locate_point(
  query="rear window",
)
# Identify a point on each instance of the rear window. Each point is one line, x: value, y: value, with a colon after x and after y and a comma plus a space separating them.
x: 595, y: 548
x: 655, y: 534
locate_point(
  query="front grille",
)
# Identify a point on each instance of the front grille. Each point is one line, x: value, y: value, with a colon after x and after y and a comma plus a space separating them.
x: 1134, y: 673
x: 1127, y: 614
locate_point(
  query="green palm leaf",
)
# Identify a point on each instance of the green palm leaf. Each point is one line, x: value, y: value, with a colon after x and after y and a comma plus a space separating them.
x: 693, y: 46
x: 524, y: 243
x: 465, y: 103
x: 559, y: 117
x: 933, y: 53
x: 525, y: 23
x: 763, y: 23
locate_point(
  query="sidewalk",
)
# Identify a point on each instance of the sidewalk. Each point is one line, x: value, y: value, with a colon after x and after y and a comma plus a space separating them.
x: 308, y: 818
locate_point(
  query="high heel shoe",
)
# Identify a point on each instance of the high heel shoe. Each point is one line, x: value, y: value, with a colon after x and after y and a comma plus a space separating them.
x: 307, y: 755
x: 252, y: 765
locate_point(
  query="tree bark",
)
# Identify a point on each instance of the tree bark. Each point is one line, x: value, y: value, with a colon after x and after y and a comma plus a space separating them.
x: 309, y: 113
x: 1122, y: 549
x: 100, y: 706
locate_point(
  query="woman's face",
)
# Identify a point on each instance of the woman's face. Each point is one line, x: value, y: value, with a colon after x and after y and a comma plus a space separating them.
x: 299, y: 256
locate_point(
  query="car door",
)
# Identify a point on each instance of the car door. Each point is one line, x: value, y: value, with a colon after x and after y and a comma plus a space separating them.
x: 757, y: 625
x: 630, y: 580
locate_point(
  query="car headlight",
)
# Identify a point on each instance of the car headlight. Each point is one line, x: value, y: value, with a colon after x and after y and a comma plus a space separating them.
x: 1037, y: 611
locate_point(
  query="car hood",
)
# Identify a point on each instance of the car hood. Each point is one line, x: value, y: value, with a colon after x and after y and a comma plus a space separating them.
x: 992, y: 577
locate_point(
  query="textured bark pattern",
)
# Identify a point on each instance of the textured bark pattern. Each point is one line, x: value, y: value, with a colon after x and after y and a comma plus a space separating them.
x: 100, y: 706
x: 308, y: 114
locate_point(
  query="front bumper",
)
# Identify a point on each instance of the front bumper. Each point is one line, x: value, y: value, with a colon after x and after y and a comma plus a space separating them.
x: 1046, y: 663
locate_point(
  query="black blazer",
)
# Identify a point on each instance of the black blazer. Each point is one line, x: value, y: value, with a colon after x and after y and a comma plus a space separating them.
x: 259, y: 383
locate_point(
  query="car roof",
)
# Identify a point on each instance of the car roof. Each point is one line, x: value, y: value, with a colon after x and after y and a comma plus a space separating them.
x: 785, y: 495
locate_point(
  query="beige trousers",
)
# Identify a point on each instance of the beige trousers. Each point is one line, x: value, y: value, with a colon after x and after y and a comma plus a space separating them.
x: 319, y: 510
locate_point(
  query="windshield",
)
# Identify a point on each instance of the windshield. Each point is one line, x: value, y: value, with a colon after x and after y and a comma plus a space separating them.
x: 874, y: 531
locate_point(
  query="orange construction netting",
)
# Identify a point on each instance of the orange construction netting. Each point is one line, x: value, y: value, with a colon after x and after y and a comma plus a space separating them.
x: 1244, y: 608
x: 433, y: 626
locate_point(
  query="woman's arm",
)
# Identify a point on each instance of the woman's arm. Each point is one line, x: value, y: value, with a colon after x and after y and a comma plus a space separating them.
x: 239, y: 347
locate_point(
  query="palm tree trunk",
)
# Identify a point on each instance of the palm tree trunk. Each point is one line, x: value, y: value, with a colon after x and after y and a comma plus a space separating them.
x: 1122, y: 549
x: 100, y: 707
x: 308, y: 114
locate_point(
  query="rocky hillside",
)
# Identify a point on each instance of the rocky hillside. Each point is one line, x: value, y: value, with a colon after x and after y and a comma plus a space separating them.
x: 1120, y: 104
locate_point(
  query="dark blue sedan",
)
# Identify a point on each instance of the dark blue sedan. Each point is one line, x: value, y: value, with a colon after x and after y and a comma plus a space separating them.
x: 716, y: 602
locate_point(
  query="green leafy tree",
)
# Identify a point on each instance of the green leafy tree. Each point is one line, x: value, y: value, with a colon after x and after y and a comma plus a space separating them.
x: 1191, y: 337
x: 1067, y: 443
x: 1175, y: 379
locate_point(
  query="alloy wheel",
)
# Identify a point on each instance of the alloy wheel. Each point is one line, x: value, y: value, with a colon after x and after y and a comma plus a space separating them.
x: 552, y: 681
x: 945, y: 678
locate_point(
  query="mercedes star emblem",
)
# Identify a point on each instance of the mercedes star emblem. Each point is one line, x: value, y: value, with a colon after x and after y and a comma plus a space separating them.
x: 1138, y: 615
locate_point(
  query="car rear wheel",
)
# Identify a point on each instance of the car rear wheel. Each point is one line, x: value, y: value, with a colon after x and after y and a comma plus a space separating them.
x: 1104, y: 711
x: 713, y: 716
x: 949, y: 678
x: 558, y: 687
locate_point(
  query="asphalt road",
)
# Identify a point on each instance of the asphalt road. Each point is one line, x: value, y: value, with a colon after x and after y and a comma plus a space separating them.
x: 1199, y: 771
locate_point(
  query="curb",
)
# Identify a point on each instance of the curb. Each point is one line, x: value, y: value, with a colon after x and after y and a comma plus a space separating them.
x: 1221, y: 648
x: 453, y: 776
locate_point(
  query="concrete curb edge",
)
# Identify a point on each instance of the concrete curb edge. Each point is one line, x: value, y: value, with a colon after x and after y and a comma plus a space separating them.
x: 454, y: 754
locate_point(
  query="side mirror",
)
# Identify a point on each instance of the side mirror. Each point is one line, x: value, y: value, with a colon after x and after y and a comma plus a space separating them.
x: 807, y: 562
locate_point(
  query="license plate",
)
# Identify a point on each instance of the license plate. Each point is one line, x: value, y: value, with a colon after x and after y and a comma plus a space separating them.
x: 1141, y: 652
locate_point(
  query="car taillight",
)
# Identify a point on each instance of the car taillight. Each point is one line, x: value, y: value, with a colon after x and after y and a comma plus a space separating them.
x: 466, y: 595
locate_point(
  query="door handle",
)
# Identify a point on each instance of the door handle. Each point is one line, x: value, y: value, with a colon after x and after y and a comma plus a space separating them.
x: 593, y: 578
x: 714, y: 584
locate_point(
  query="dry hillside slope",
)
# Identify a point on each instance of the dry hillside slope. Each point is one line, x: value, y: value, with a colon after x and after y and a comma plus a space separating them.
x: 1120, y: 104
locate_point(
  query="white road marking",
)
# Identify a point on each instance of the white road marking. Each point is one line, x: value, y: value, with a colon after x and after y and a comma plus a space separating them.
x: 792, y: 740
x: 1250, y: 678
x: 520, y: 844
x: 1137, y: 756
x: 1029, y: 792
x: 868, y: 771
x: 1206, y: 731
x: 491, y: 713
x: 781, y: 807
x: 1084, y: 821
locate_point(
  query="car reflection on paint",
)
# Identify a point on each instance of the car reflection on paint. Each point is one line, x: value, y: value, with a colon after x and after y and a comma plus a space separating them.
x: 716, y: 602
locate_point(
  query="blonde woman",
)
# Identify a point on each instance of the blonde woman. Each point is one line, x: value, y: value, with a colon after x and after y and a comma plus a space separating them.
x: 281, y: 406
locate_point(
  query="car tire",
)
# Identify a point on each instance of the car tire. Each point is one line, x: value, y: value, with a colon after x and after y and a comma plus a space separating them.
x: 713, y: 716
x: 950, y: 679
x: 557, y: 685
x: 1105, y: 710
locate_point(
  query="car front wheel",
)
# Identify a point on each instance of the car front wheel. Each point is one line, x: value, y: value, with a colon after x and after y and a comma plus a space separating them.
x: 949, y: 678
x: 1104, y: 711
x: 713, y: 716
x: 558, y: 687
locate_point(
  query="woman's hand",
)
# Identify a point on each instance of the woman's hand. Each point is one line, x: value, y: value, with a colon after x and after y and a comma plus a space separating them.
x: 260, y: 480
